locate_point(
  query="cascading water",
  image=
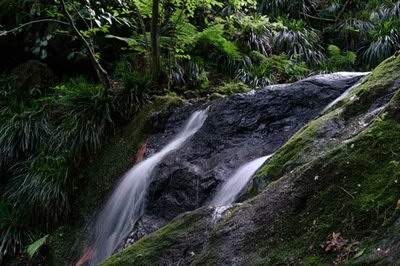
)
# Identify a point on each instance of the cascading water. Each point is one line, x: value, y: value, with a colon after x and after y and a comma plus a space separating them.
x: 127, y: 202
x: 232, y: 188
x: 346, y: 92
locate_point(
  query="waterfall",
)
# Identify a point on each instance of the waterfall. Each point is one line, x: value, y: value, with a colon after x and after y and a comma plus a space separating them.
x: 347, y: 92
x: 127, y: 203
x: 232, y: 188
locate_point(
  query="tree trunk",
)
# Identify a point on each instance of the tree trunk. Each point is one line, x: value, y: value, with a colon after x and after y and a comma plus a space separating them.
x: 155, y: 41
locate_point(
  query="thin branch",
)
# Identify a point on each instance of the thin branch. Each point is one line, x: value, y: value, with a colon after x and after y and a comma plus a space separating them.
x: 348, y: 193
x: 314, y: 17
x: 100, y: 71
x: 342, y: 10
x: 4, y: 33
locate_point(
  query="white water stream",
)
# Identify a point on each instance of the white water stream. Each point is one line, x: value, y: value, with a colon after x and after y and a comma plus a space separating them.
x: 234, y: 185
x: 127, y: 203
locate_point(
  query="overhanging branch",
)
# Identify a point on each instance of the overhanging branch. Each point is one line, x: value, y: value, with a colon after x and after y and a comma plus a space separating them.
x: 4, y: 33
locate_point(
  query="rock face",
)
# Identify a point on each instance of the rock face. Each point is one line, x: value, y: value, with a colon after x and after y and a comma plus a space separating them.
x: 335, y: 195
x: 238, y: 129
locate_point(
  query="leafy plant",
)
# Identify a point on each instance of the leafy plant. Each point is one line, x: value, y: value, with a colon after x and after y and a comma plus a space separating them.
x: 41, y: 187
x: 13, y: 232
x: 384, y: 41
x: 34, y: 248
x: 127, y: 99
x: 271, y: 70
x: 253, y: 32
x: 84, y: 116
x: 296, y: 39
x: 338, y: 60
x: 214, y: 37
x: 22, y: 130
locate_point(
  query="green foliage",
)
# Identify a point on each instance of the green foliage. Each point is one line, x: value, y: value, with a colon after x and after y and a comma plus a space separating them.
x: 384, y: 41
x: 230, y: 88
x: 239, y: 5
x: 252, y: 32
x: 127, y: 99
x: 213, y: 37
x: 85, y: 116
x: 35, y: 247
x: 292, y: 8
x: 22, y: 130
x: 296, y: 39
x: 13, y: 232
x: 184, y: 36
x: 40, y: 187
x: 271, y: 70
x: 189, y: 74
x: 338, y: 60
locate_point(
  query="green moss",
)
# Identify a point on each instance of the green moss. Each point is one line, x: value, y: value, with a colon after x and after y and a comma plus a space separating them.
x: 149, y: 249
x: 230, y: 88
x: 289, y: 156
x: 376, y: 85
x: 358, y: 201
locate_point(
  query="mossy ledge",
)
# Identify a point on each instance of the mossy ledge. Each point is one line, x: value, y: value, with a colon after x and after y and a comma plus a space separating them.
x: 376, y: 89
x: 153, y: 249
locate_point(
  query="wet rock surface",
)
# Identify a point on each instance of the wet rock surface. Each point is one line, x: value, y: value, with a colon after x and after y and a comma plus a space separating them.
x: 238, y: 129
x: 335, y: 182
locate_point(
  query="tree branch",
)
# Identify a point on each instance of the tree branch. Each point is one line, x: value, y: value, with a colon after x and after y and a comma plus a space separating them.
x: 318, y: 18
x: 4, y: 33
x: 100, y: 71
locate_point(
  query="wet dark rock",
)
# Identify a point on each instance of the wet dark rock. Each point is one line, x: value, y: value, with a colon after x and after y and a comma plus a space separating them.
x: 238, y: 129
x: 339, y: 174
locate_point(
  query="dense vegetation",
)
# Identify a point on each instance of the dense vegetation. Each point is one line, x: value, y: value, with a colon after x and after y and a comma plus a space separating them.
x: 98, y: 62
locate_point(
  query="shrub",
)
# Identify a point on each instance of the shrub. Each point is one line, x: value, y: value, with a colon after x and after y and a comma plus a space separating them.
x: 128, y: 98
x: 252, y: 32
x: 189, y: 74
x: 83, y: 116
x: 384, y: 40
x: 40, y: 188
x: 297, y: 40
x: 271, y: 70
x: 22, y: 130
x: 338, y: 60
x: 13, y: 232
x: 214, y: 37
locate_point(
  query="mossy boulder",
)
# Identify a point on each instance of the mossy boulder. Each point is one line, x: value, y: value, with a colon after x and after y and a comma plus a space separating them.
x: 330, y: 195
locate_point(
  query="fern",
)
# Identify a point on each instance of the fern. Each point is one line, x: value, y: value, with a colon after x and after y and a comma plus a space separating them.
x: 214, y: 37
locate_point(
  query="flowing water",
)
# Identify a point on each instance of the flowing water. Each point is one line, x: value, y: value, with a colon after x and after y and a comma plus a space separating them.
x: 127, y: 202
x: 232, y: 188
x: 347, y: 92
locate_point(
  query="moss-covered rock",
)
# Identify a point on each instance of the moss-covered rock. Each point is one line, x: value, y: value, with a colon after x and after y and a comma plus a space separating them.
x: 330, y: 195
x: 155, y: 249
x: 343, y: 121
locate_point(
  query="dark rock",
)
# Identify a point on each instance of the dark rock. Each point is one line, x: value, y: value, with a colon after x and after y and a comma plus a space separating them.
x: 238, y: 129
x: 33, y: 75
x: 342, y: 178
